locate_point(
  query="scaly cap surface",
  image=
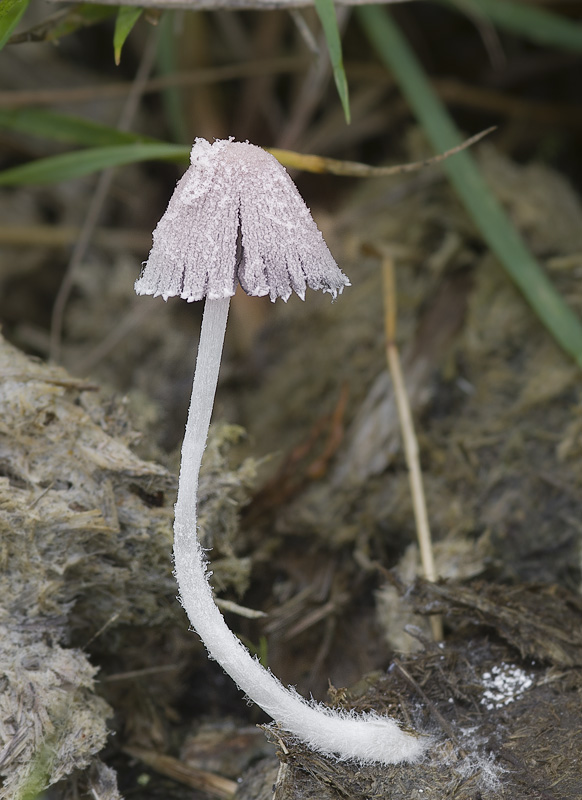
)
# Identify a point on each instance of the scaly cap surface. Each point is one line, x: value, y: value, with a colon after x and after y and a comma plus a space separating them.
x: 236, y: 216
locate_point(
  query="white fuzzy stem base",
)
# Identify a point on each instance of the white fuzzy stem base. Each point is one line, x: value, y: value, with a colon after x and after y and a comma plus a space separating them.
x: 366, y: 738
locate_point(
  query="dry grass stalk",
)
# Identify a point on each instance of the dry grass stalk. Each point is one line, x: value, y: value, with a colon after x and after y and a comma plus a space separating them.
x: 353, y: 169
x: 209, y: 782
x: 408, y: 435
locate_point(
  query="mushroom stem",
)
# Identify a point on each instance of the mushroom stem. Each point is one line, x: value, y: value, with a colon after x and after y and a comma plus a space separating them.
x: 201, y: 403
x: 366, y: 738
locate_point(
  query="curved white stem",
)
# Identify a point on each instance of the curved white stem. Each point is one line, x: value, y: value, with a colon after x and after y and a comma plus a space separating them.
x: 367, y: 738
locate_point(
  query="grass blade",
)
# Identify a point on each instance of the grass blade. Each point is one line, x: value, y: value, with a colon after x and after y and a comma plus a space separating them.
x: 536, y: 24
x: 84, y: 162
x: 127, y: 16
x: 65, y: 128
x: 167, y: 64
x: 326, y: 12
x: 11, y: 12
x: 463, y: 172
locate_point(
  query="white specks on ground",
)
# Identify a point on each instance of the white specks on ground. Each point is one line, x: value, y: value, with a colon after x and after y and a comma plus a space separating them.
x: 504, y: 684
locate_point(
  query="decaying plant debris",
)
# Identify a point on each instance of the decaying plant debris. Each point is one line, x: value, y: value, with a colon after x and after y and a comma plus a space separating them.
x: 505, y: 724
x: 85, y: 549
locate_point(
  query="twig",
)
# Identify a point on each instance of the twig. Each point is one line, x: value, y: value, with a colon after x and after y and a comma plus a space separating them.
x: 184, y: 774
x: 353, y: 169
x: 242, y: 611
x: 102, y: 629
x: 306, y: 33
x: 444, y: 723
x: 408, y: 435
x: 132, y: 674
x: 283, y: 766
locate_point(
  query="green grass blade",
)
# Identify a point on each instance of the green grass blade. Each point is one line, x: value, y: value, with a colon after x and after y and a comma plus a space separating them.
x: 84, y: 162
x: 127, y: 16
x: 326, y: 12
x: 167, y: 63
x: 536, y: 24
x: 463, y: 172
x: 65, y: 128
x: 11, y: 12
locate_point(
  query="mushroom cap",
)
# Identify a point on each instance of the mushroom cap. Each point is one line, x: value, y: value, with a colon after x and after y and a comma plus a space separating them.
x: 236, y: 215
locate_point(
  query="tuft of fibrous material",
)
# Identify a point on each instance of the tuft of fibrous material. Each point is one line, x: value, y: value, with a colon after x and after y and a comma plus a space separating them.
x: 237, y: 217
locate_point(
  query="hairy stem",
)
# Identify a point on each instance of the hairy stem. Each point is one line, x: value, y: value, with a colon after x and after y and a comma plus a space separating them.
x: 367, y: 738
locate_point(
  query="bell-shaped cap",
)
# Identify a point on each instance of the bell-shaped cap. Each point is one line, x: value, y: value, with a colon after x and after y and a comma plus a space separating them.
x: 236, y: 215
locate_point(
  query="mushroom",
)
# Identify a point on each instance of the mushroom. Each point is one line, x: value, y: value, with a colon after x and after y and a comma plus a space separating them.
x: 236, y: 216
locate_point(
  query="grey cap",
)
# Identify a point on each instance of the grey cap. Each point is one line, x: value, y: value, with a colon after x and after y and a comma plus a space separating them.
x: 236, y: 215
